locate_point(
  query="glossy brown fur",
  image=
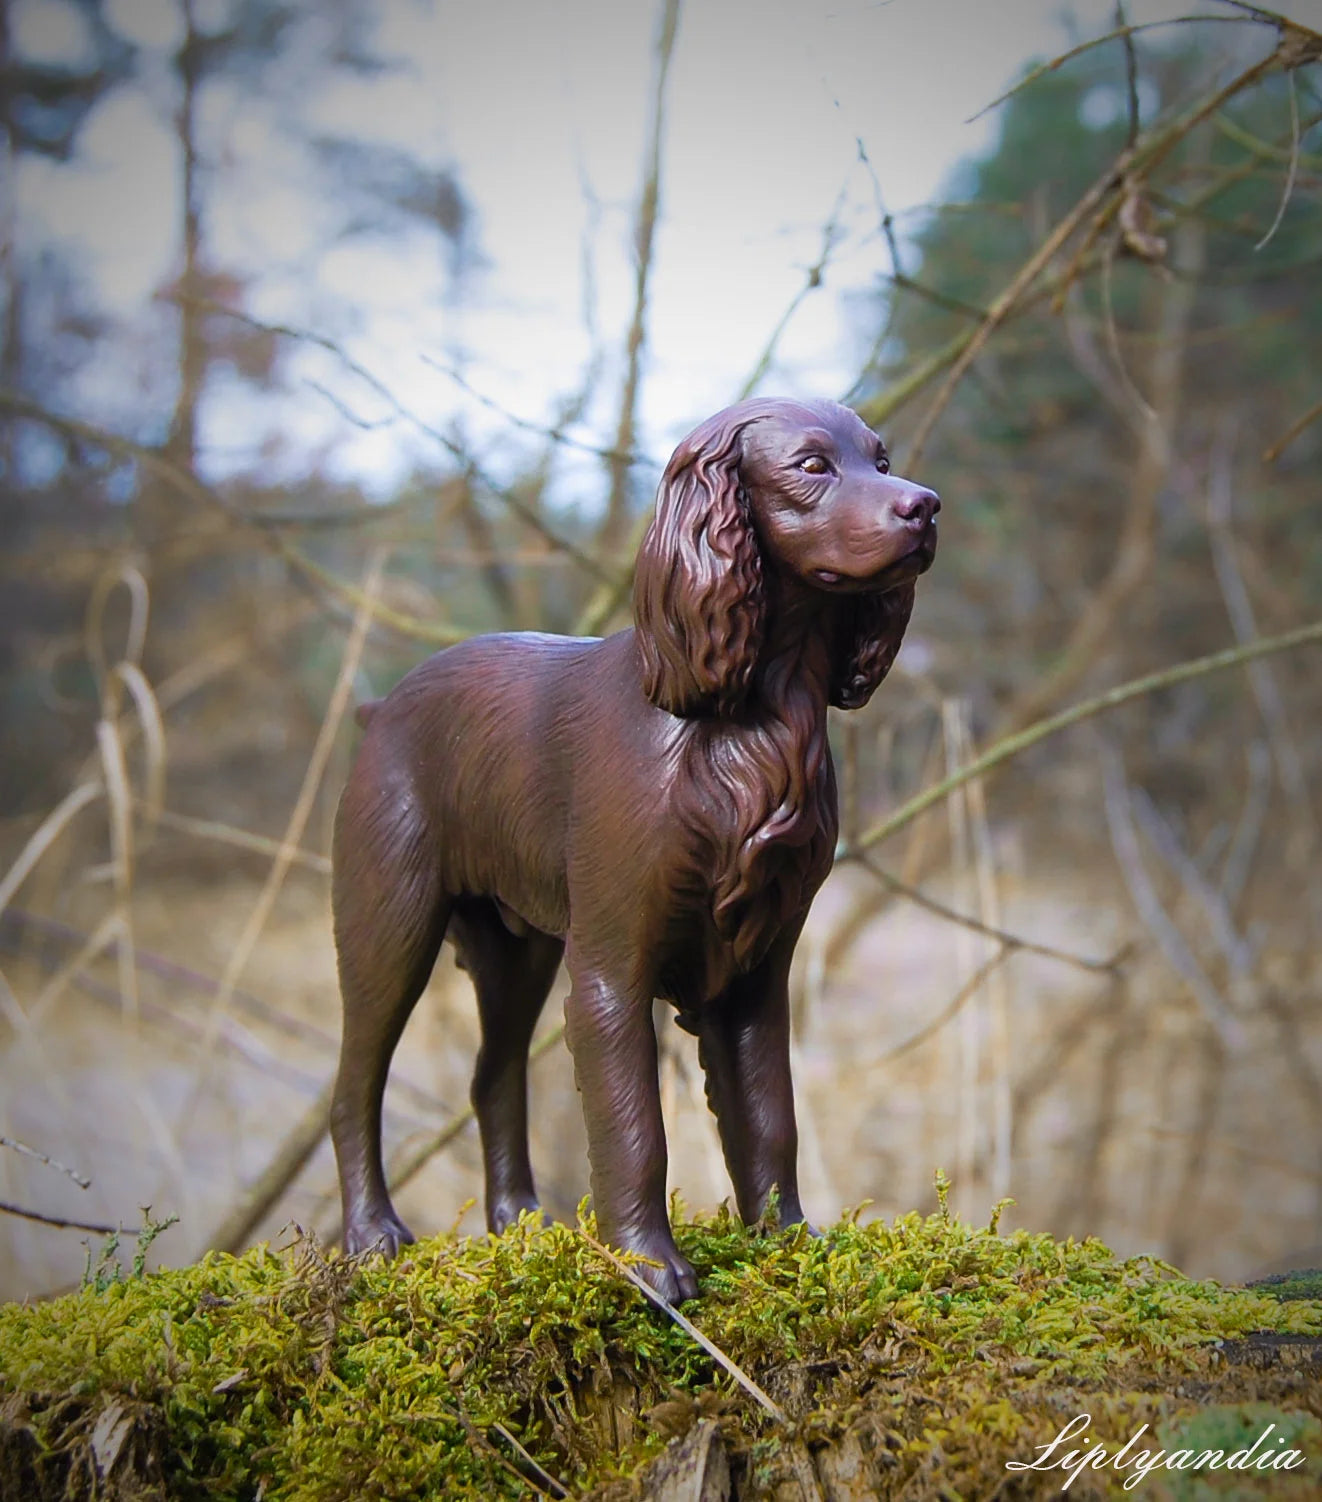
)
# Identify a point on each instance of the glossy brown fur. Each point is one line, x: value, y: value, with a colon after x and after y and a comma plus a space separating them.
x: 660, y: 807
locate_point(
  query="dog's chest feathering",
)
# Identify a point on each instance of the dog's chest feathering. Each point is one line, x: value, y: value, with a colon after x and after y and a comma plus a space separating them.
x: 757, y: 812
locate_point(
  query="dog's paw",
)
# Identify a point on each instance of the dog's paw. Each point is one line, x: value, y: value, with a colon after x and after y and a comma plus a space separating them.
x: 671, y: 1275
x: 383, y: 1234
x: 503, y: 1213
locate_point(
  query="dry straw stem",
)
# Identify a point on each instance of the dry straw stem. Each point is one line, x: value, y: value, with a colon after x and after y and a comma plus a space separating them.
x: 176, y: 976
x: 240, y: 839
x: 1012, y: 745
x: 94, y: 622
x: 112, y: 745
x: 45, y: 835
x: 234, y: 1037
x: 109, y: 931
x: 1239, y: 607
x: 558, y: 1488
x: 298, y: 818
x: 689, y: 1328
x: 1228, y: 1028
x: 1291, y: 170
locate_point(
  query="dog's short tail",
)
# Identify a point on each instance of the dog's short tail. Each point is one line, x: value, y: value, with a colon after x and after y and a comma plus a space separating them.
x: 363, y: 714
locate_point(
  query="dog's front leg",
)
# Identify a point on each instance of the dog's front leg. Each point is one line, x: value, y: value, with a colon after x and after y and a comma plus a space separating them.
x: 744, y: 1047
x: 608, y: 1026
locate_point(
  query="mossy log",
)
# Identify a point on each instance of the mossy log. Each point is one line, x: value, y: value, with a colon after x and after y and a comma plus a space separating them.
x: 908, y: 1359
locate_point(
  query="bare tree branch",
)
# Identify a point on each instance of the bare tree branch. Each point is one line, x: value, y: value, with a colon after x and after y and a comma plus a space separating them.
x: 1009, y: 940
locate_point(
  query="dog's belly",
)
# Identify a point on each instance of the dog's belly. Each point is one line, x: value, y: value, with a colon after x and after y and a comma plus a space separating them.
x: 528, y: 893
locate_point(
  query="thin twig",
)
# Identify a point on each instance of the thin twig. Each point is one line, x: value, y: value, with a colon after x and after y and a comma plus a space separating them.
x: 951, y: 1009
x: 1126, y: 32
x: 1131, y: 73
x: 690, y: 1329
x: 31, y: 1152
x: 189, y: 486
x: 1248, y: 828
x: 1228, y: 1028
x: 463, y: 458
x: 1291, y: 170
x: 812, y: 280
x: 1105, y: 196
x: 1272, y: 454
x: 555, y: 433
x: 1235, y: 948
x: 1239, y: 607
x: 609, y: 596
x: 60, y: 1223
x: 1012, y: 745
x: 617, y: 500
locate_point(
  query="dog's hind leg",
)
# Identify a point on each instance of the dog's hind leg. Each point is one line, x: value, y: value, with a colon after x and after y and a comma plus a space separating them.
x: 390, y: 916
x: 744, y: 1049
x: 512, y: 973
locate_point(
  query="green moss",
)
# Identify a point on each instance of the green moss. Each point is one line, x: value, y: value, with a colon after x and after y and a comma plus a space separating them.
x: 1303, y: 1284
x: 288, y: 1375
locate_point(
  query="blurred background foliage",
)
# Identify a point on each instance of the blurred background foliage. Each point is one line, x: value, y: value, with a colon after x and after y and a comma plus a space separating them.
x: 1130, y: 473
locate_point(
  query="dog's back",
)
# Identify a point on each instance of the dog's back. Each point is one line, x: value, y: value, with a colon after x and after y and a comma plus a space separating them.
x: 472, y: 743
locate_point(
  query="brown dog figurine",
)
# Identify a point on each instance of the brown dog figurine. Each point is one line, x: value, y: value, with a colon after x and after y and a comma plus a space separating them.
x: 659, y: 807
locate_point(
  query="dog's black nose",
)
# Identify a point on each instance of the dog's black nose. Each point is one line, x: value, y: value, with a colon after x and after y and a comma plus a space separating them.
x: 916, y: 507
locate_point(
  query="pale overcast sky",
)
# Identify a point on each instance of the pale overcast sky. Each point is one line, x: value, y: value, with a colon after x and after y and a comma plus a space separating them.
x: 528, y: 100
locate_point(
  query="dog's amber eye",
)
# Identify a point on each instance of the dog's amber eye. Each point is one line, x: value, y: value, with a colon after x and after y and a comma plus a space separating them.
x: 814, y: 464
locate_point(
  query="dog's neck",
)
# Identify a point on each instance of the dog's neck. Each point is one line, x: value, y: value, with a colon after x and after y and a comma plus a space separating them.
x: 794, y: 665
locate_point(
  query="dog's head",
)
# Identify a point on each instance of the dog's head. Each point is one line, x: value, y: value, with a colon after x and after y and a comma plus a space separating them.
x: 801, y: 490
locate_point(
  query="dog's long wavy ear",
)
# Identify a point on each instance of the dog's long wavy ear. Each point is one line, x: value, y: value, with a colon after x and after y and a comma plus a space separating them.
x: 871, y: 630
x: 697, y: 595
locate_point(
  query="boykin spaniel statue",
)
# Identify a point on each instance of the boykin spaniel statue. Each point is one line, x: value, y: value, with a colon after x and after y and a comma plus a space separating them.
x: 657, y: 807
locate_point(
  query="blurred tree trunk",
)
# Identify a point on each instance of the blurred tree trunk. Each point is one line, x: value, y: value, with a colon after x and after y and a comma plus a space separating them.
x: 9, y: 357
x: 182, y: 441
x: 616, y: 525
